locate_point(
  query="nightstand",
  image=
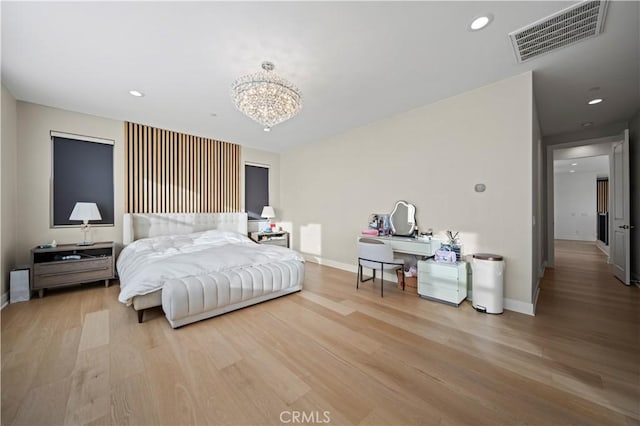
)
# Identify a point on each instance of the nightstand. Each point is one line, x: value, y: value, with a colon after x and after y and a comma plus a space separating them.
x: 69, y: 264
x: 276, y: 238
x: 443, y: 282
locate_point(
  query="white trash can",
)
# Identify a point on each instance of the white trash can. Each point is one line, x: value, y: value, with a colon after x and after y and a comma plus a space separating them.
x: 488, y: 283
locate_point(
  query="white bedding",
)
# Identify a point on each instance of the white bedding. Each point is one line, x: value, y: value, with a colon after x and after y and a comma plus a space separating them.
x: 145, y: 265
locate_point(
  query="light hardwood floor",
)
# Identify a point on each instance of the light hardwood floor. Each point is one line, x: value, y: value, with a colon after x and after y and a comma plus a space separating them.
x: 79, y: 357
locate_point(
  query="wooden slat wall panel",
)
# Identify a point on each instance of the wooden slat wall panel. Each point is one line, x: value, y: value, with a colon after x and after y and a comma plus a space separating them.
x: 126, y: 168
x: 171, y: 172
x: 603, y: 195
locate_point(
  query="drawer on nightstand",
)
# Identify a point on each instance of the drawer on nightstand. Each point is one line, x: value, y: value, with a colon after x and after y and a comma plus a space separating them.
x: 440, y: 292
x: 275, y: 242
x: 53, y: 280
x: 447, y: 283
x: 444, y: 270
x: 70, y: 266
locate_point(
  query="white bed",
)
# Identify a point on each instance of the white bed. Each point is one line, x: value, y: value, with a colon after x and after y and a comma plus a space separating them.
x: 200, y: 265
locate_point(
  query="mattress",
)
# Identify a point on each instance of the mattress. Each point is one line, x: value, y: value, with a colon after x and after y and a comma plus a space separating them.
x: 146, y: 265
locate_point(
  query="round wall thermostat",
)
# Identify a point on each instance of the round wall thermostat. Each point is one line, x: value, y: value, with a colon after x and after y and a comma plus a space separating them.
x: 480, y: 187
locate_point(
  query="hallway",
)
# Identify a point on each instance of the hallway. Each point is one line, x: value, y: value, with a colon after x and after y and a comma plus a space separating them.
x: 583, y: 286
x: 600, y: 317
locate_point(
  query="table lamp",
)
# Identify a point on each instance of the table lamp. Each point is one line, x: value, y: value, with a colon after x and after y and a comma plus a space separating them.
x: 268, y: 213
x: 85, y: 212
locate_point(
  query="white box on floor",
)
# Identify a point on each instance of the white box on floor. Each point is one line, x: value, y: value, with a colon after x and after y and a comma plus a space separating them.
x: 19, y: 290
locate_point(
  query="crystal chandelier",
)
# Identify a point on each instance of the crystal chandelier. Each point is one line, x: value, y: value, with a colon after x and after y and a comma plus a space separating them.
x: 265, y: 97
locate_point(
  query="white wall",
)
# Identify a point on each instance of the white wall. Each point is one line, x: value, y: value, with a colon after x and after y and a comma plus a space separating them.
x: 431, y: 156
x: 634, y: 176
x: 538, y: 222
x: 34, y: 173
x: 8, y: 198
x: 575, y: 206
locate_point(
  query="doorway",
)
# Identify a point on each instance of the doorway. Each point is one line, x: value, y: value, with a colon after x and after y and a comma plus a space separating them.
x: 581, y: 199
x: 573, y: 151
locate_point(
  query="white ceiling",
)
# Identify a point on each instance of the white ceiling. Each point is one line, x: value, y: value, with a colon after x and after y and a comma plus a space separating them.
x: 355, y: 62
x: 599, y: 165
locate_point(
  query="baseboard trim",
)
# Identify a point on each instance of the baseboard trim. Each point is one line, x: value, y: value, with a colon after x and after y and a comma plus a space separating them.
x: 4, y: 300
x: 509, y: 304
x: 572, y: 238
x: 603, y: 248
x: 542, y: 270
x: 332, y: 263
x: 535, y: 300
x: 344, y: 266
x: 519, y: 306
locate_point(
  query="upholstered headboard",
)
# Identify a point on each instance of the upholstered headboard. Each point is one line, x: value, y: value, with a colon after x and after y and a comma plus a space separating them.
x: 144, y: 225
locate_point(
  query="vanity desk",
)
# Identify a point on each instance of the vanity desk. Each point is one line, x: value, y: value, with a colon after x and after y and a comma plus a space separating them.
x: 409, y: 245
x: 442, y: 282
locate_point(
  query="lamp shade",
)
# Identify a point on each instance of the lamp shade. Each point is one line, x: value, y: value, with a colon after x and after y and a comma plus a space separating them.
x: 268, y: 212
x: 85, y: 211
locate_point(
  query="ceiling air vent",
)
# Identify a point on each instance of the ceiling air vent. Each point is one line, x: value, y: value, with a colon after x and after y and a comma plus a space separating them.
x: 578, y: 22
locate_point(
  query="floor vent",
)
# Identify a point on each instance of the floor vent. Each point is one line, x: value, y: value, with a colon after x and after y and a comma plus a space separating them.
x: 578, y: 22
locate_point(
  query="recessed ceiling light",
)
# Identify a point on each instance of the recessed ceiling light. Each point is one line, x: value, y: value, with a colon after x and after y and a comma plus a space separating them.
x: 136, y: 93
x: 587, y: 124
x: 267, y: 129
x: 594, y: 101
x: 480, y: 22
x: 213, y: 114
x: 594, y: 89
x: 572, y: 171
x: 574, y: 164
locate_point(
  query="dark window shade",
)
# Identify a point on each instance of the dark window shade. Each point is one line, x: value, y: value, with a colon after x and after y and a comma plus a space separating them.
x: 256, y: 190
x: 82, y: 171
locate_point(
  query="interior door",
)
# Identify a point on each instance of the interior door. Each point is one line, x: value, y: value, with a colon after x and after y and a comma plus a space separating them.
x: 620, y: 217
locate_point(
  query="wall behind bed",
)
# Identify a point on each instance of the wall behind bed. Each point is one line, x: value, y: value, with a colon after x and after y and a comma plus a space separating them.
x: 34, y: 122
x: 173, y: 172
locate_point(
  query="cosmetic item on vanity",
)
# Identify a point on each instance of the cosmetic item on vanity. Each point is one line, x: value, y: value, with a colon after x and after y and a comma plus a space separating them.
x: 379, y: 222
x: 445, y: 255
x: 454, y: 244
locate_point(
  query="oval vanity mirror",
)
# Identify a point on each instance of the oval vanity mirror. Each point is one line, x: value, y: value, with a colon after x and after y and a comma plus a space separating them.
x: 403, y: 219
